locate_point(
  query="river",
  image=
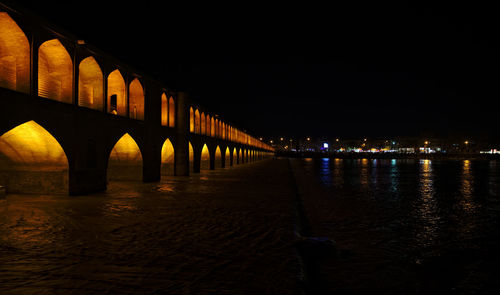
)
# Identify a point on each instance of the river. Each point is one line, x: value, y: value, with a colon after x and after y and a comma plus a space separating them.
x: 404, y: 226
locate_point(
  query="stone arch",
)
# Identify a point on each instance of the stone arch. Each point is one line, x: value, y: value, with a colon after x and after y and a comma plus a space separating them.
x: 32, y: 161
x: 227, y: 158
x: 191, y: 157
x: 218, y: 158
x: 117, y: 102
x: 55, y: 72
x: 197, y: 126
x: 171, y: 112
x: 203, y: 127
x: 205, y: 158
x: 125, y: 160
x: 14, y: 56
x: 136, y: 100
x: 191, y: 120
x: 164, y: 110
x: 167, y: 158
x: 208, y: 125
x: 90, y: 84
x: 235, y: 157
x: 212, y: 127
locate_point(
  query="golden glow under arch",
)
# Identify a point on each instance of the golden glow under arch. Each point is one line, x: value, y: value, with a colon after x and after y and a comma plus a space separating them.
x: 125, y: 160
x: 32, y: 161
x: 55, y: 72
x: 171, y: 112
x: 167, y: 158
x: 205, y: 158
x: 218, y: 157
x: 136, y: 100
x: 116, y: 91
x: 14, y: 56
x: 90, y: 84
x: 227, y: 159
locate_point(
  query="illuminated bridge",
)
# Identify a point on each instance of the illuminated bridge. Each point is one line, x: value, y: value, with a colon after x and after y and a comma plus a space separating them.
x: 72, y: 118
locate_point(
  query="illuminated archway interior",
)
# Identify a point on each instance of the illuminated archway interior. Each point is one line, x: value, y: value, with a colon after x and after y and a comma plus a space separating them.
x: 191, y: 157
x: 191, y: 120
x: 136, y: 100
x: 235, y: 156
x: 116, y: 94
x: 32, y: 161
x: 55, y: 72
x: 90, y: 84
x: 171, y: 112
x: 164, y: 110
x: 14, y: 56
x: 202, y: 124
x: 205, y: 158
x: 218, y: 158
x: 167, y: 158
x: 227, y: 157
x: 125, y: 160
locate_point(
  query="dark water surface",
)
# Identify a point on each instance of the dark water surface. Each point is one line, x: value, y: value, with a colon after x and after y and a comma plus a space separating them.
x: 228, y: 231
x: 405, y: 226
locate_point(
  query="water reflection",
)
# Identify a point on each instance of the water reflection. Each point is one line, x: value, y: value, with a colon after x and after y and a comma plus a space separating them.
x: 394, y: 172
x: 466, y: 189
x: 363, y: 174
x: 338, y: 173
x: 426, y: 206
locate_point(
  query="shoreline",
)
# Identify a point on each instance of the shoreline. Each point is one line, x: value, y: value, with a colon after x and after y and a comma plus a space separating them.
x: 436, y: 156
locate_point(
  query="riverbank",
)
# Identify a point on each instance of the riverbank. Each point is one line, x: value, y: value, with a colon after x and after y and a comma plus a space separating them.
x: 433, y: 156
x: 228, y: 231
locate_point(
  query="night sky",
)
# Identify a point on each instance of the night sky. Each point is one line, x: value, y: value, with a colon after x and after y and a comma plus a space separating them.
x: 308, y: 70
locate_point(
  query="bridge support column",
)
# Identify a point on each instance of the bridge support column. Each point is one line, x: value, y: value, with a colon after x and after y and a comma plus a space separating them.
x: 181, y: 166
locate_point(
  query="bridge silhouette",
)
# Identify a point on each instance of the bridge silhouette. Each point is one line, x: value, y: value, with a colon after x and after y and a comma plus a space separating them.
x: 73, y: 118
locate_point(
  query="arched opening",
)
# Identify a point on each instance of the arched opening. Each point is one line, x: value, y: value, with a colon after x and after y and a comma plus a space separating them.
x: 55, y: 72
x: 191, y: 120
x: 203, y: 124
x: 197, y: 126
x: 235, y: 157
x: 241, y: 160
x: 14, y: 56
x: 90, y: 84
x: 164, y: 110
x: 205, y: 158
x: 218, y: 158
x: 191, y: 157
x: 212, y: 127
x: 116, y: 94
x: 167, y: 158
x: 125, y: 160
x: 32, y: 161
x: 227, y: 156
x: 208, y: 125
x: 136, y: 100
x: 171, y: 112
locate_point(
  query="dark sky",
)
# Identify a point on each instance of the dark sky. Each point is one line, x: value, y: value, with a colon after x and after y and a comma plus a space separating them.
x: 311, y: 70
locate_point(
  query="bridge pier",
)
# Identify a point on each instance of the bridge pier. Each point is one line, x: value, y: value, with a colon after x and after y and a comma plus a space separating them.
x: 181, y: 155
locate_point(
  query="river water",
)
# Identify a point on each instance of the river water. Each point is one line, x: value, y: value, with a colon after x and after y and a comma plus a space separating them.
x: 405, y: 226
x: 228, y: 231
x: 401, y: 227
